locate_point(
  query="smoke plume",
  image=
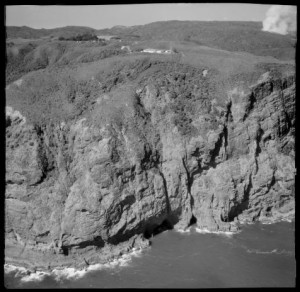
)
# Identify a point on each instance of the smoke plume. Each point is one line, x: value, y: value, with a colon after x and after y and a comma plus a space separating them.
x: 280, y: 19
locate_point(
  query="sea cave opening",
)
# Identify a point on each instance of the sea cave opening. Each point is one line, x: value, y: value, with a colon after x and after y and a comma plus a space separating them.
x: 193, y: 221
x: 157, y: 228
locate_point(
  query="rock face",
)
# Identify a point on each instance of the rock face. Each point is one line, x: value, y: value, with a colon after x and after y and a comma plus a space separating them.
x: 76, y: 189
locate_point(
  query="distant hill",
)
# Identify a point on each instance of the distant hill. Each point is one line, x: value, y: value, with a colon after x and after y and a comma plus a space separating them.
x: 239, y: 36
x: 210, y: 43
x: 32, y: 33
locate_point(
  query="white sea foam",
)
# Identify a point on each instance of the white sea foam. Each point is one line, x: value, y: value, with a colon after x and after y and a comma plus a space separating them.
x: 71, y: 273
x: 184, y: 231
x: 35, y: 277
x: 11, y: 268
x: 274, y: 251
x: 24, y: 273
x: 205, y: 231
x: 68, y: 273
x: 257, y: 251
x: 267, y: 222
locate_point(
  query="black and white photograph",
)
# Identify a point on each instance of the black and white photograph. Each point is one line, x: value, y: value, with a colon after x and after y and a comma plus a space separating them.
x: 150, y: 145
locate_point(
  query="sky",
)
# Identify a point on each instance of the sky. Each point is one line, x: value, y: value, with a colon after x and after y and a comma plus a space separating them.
x: 106, y: 16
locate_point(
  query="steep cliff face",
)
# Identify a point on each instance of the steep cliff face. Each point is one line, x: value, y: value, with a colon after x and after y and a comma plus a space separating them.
x: 177, y: 156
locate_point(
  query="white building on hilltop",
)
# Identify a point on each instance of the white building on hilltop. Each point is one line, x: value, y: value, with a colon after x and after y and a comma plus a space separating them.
x: 155, y: 51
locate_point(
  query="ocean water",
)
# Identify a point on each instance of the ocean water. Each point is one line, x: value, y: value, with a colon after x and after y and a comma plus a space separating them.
x: 261, y: 255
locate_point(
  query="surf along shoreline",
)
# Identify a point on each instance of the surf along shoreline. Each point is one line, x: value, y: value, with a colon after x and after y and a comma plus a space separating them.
x: 34, y: 265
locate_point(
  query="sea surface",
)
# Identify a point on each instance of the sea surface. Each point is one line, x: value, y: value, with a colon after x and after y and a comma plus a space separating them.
x: 261, y: 255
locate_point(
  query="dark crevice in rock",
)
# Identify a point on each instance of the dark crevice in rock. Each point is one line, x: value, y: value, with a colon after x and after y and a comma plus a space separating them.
x: 45, y: 153
x: 166, y: 192
x: 228, y: 115
x: 256, y: 216
x: 250, y: 105
x: 64, y: 250
x: 286, y: 127
x: 157, y: 228
x: 225, y: 131
x: 192, y: 202
x: 87, y: 263
x: 13, y: 182
x: 165, y: 225
x: 41, y: 179
x: 269, y: 208
x: 258, y: 149
x: 224, y: 218
x: 188, y: 176
x: 272, y: 183
x: 97, y: 242
x: 215, y: 152
x: 43, y: 234
x: 150, y: 159
x: 190, y: 180
x: 240, y: 207
x: 8, y: 121
x: 192, y: 221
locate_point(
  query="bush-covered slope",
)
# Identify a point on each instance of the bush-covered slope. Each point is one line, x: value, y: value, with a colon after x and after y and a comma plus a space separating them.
x: 27, y: 57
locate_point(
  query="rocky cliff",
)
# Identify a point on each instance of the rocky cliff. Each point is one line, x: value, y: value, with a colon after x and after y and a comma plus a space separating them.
x: 174, y: 153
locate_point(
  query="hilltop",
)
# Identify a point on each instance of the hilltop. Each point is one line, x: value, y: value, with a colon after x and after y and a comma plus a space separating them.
x: 231, y: 36
x: 26, y: 32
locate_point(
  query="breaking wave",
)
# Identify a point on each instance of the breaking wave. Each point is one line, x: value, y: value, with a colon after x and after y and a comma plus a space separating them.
x: 24, y: 274
x: 70, y: 273
x: 206, y: 231
x: 267, y: 222
x: 184, y: 231
x: 274, y: 251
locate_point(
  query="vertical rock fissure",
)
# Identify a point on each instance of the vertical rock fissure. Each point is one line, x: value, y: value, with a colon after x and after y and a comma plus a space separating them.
x: 228, y: 112
x: 238, y: 209
x: 190, y: 179
x: 165, y: 191
x: 250, y: 105
x: 188, y: 176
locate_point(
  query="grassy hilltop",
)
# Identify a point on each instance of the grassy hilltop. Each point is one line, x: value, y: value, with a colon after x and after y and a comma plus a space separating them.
x: 54, y: 72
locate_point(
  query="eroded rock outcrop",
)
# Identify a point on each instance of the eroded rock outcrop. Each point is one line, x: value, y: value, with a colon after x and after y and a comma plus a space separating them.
x: 75, y: 190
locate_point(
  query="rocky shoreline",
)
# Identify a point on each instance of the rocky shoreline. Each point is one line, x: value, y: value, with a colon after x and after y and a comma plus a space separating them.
x: 34, y: 260
x: 109, y: 257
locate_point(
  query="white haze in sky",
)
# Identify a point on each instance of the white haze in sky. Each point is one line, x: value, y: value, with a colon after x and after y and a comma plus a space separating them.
x: 281, y: 19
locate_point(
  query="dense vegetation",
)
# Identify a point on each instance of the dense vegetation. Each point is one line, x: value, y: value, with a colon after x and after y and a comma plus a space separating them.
x: 80, y: 37
x: 28, y: 57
